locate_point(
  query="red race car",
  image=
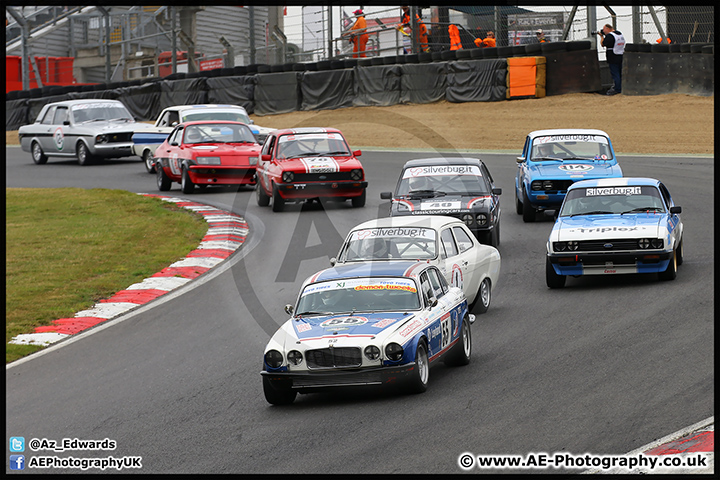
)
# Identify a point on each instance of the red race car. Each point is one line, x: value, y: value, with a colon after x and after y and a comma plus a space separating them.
x: 309, y: 163
x: 207, y: 153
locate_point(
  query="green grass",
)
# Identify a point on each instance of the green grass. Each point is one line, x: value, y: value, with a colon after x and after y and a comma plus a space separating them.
x: 68, y: 248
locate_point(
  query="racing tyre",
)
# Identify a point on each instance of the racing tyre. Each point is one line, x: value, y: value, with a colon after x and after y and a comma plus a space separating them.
x: 186, y: 185
x: 163, y: 182
x: 482, y: 299
x: 528, y: 211
x: 278, y: 203
x: 518, y: 205
x: 421, y: 373
x: 552, y: 279
x: 83, y: 154
x: 277, y: 393
x: 262, y: 198
x: 460, y: 354
x: 38, y: 156
x: 671, y: 271
x: 679, y: 253
x: 358, y: 202
x: 149, y: 161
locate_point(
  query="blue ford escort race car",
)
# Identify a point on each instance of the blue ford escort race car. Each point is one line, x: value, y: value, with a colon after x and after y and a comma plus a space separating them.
x: 615, y: 225
x: 553, y: 159
x: 369, y: 323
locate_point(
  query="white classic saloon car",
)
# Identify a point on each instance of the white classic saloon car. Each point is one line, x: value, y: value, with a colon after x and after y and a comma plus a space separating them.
x: 146, y: 141
x: 371, y: 323
x: 85, y: 129
x: 613, y: 226
x: 437, y: 239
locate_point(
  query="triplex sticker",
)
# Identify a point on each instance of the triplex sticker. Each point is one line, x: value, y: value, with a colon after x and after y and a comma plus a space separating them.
x: 394, y: 232
x: 593, y: 192
x: 362, y: 284
x: 320, y: 165
x: 442, y: 170
x: 317, y: 136
x: 343, y: 322
x: 83, y: 106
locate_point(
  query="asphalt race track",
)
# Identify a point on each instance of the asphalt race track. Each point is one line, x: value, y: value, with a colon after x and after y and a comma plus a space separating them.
x: 603, y: 366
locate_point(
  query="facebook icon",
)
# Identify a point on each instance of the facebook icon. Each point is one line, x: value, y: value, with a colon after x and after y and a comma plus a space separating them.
x: 17, y: 462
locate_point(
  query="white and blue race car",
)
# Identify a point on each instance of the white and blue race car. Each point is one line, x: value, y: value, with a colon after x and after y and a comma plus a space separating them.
x: 370, y: 323
x: 614, y: 226
x: 552, y: 160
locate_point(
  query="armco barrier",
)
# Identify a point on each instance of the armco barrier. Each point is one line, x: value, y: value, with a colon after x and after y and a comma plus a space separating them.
x: 570, y: 68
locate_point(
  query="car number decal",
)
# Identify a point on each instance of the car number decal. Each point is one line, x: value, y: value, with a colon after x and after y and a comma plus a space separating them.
x: 575, y: 167
x: 446, y: 322
x: 175, y: 164
x: 344, y: 322
x: 320, y: 165
x: 59, y: 138
x: 457, y: 276
x: 451, y: 205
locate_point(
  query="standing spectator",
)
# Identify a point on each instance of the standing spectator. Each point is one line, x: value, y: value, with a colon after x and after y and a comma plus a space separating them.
x: 614, y: 44
x: 540, y: 36
x: 359, y: 36
x: 487, y: 42
x: 455, y: 43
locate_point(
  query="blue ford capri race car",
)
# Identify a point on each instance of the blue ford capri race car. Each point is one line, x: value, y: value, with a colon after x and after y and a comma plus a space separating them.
x: 369, y: 323
x: 552, y: 160
x: 613, y: 226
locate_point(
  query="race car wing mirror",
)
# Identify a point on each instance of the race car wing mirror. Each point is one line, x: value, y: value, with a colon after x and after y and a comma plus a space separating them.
x: 386, y: 195
x: 333, y: 261
x: 675, y: 209
x: 289, y: 309
x: 266, y: 157
x: 520, y: 159
x: 357, y: 153
x: 497, y: 191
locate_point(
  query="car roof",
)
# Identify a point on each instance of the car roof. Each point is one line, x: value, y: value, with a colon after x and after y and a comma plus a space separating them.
x: 614, y: 182
x: 426, y: 162
x: 205, y: 106
x: 425, y: 221
x: 84, y: 101
x: 567, y: 131
x: 290, y: 131
x: 369, y: 269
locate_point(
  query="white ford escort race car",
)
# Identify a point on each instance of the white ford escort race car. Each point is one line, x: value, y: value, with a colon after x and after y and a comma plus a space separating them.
x: 612, y: 226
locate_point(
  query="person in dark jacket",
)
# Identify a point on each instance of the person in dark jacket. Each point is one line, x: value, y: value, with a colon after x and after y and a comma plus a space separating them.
x: 614, y: 43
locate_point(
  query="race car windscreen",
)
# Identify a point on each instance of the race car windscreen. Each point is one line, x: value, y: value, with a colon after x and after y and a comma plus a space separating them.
x: 93, y: 112
x: 218, y: 133
x: 234, y: 116
x: 372, y: 294
x: 405, y: 243
x: 612, y: 200
x: 571, y: 147
x: 443, y: 180
x: 312, y: 145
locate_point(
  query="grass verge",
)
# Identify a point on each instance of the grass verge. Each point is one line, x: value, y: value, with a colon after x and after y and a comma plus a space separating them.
x: 68, y: 248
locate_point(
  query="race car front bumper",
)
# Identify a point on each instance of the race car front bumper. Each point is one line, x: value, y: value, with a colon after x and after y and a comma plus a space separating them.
x: 316, y: 380
x: 585, y: 263
x: 302, y: 191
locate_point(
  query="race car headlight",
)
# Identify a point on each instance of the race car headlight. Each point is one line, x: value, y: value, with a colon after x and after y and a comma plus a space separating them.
x: 288, y: 177
x: 252, y: 160
x: 559, y: 246
x: 547, y: 185
x: 657, y: 243
x: 481, y: 219
x: 644, y: 243
x: 356, y: 174
x: 273, y: 358
x: 372, y: 352
x: 101, y: 139
x: 394, y: 352
x: 572, y: 245
x: 208, y: 160
x: 468, y: 219
x: 295, y: 357
x: 537, y: 185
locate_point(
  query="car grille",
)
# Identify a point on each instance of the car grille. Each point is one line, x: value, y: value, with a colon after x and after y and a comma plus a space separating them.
x: 321, y: 177
x: 608, y: 245
x: 333, y: 357
x: 122, y: 137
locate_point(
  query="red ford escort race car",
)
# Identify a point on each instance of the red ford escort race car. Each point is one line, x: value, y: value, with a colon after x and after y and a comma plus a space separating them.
x: 308, y: 163
x: 207, y: 153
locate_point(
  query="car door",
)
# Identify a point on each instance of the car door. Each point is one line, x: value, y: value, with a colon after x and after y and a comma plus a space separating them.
x: 264, y: 163
x: 46, y: 130
x: 455, y: 265
x: 443, y: 314
x: 62, y: 131
x: 522, y: 163
x: 470, y: 258
x: 172, y: 151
